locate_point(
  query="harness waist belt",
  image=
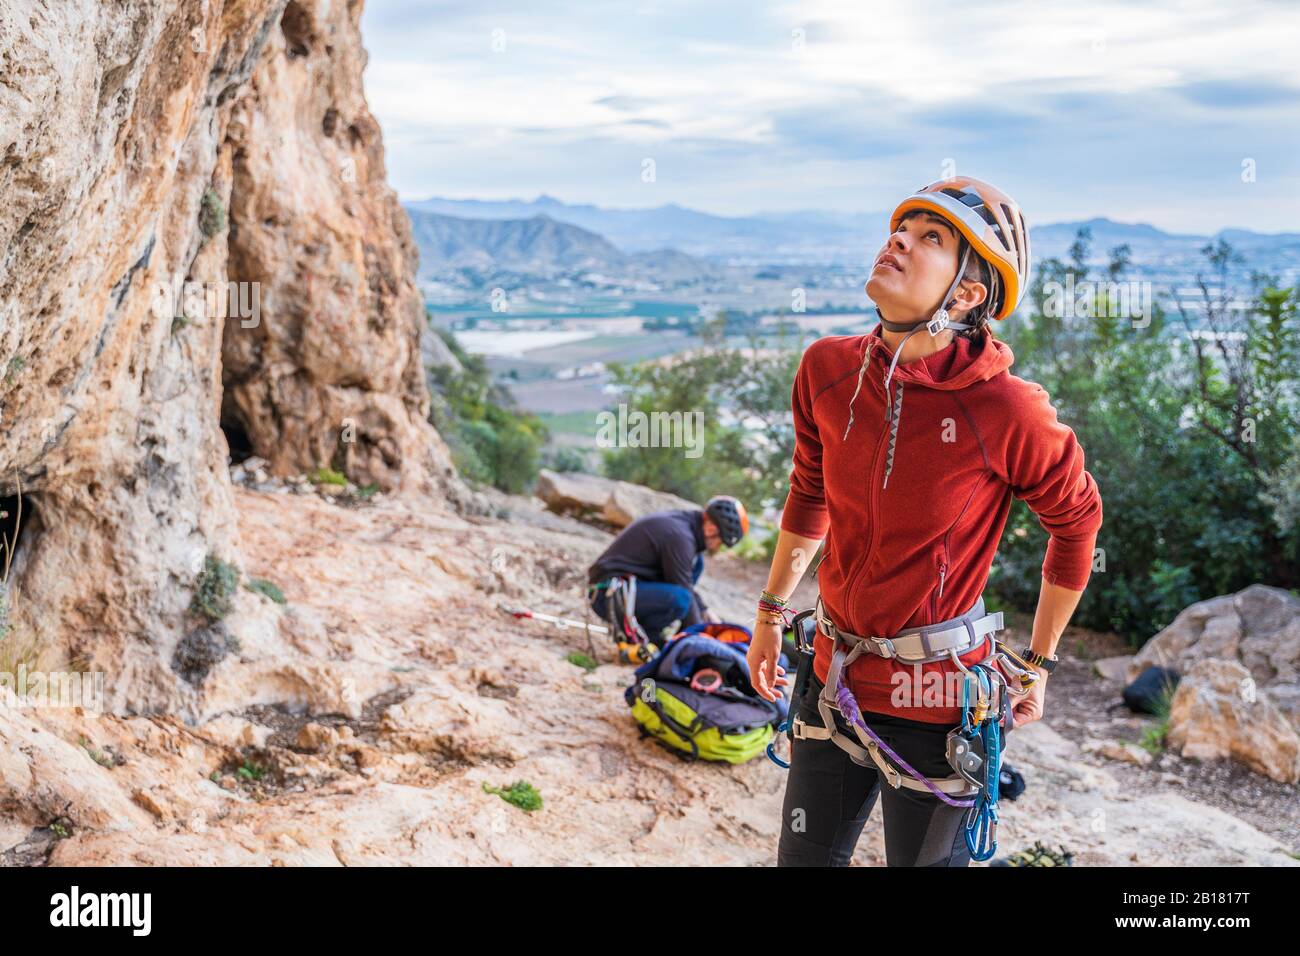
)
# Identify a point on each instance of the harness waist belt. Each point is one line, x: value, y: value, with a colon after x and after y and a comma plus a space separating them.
x: 922, y: 645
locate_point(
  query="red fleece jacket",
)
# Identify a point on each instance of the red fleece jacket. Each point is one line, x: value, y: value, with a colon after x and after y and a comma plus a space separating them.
x: 912, y: 514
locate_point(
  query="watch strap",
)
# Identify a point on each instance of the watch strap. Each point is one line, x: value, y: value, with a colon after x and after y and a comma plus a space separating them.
x: 1046, y: 663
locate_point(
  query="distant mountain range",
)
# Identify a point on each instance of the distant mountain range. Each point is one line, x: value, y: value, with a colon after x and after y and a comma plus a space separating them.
x: 671, y: 243
x: 452, y: 246
x: 687, y: 230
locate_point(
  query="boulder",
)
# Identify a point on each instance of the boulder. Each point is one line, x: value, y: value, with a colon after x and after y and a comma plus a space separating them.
x: 1220, y: 712
x: 1258, y: 628
x: 604, y: 501
x: 1114, y: 669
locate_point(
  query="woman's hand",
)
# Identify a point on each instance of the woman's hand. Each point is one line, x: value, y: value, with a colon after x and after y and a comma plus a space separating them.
x: 1029, y: 708
x: 765, y: 674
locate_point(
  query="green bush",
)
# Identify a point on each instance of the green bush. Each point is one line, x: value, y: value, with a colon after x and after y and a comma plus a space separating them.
x: 521, y: 794
x: 491, y: 440
x: 215, y: 587
x: 212, y: 214
x: 749, y: 385
x: 1191, y: 443
x: 564, y: 458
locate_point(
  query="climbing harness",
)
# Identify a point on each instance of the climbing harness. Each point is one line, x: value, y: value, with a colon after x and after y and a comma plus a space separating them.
x: 620, y: 607
x: 634, y: 645
x: 974, y: 748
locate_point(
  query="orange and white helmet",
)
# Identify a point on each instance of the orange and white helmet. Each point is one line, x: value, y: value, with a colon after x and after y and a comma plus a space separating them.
x: 992, y: 223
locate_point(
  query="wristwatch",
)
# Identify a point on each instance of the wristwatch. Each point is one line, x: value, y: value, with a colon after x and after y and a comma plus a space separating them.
x: 1046, y: 663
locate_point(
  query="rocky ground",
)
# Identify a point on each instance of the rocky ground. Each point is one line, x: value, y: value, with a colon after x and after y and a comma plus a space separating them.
x: 411, y: 690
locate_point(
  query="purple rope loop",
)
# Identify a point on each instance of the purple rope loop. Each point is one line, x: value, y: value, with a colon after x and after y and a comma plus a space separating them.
x: 848, y: 706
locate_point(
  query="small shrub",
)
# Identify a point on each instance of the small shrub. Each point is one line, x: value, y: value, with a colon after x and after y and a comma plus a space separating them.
x: 16, y: 365
x: 585, y: 661
x: 216, y: 584
x: 521, y: 794
x: 1154, y: 738
x: 367, y: 491
x: 18, y: 648
x: 756, y: 546
x: 212, y: 214
x: 564, y: 459
x: 328, y: 476
x: 251, y: 771
x: 99, y: 757
x: 267, y: 589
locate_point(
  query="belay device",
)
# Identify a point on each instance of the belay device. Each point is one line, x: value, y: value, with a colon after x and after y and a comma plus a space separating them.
x: 974, y: 748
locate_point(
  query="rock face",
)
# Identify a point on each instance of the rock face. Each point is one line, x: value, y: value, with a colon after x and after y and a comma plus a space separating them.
x: 1258, y: 628
x: 142, y: 170
x: 332, y: 374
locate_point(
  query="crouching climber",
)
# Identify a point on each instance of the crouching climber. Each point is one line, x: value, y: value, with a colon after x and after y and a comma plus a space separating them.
x: 644, y: 582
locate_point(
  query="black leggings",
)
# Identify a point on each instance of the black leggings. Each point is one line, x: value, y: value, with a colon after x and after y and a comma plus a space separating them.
x: 828, y: 797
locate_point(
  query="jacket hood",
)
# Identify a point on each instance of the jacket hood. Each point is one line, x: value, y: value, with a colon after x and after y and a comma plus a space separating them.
x: 962, y: 363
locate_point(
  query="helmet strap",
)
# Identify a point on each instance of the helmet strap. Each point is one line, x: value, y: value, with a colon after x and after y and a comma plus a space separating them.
x: 940, y: 320
x: 936, y: 324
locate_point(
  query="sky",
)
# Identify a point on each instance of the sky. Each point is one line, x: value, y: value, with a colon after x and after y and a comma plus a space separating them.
x: 1182, y: 115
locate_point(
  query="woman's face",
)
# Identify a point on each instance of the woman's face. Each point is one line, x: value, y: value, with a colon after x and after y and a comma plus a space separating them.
x: 914, y: 268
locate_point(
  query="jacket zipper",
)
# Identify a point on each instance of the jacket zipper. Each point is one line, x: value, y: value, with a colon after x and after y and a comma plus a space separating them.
x: 872, y: 506
x: 947, y: 541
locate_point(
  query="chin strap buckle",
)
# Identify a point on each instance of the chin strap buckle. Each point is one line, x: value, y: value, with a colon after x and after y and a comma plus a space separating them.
x: 938, y: 323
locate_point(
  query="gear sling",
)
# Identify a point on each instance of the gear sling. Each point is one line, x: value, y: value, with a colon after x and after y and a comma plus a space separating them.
x: 974, y: 749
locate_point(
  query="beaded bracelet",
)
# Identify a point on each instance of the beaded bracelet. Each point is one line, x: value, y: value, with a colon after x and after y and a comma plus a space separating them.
x: 771, y: 609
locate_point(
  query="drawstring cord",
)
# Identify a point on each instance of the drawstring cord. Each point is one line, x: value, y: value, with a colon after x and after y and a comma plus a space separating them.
x: 866, y: 360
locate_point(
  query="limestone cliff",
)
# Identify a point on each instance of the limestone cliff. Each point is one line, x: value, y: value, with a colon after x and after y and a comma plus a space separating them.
x: 334, y: 373
x: 150, y: 154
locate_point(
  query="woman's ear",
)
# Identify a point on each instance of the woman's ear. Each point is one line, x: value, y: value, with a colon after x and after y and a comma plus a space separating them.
x: 969, y: 295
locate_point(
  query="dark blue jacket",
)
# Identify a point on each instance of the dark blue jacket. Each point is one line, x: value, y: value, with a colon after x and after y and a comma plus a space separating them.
x: 658, y: 547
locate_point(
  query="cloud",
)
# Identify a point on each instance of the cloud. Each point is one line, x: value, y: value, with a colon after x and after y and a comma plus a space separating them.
x: 1240, y: 94
x: 1102, y: 108
x: 624, y: 104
